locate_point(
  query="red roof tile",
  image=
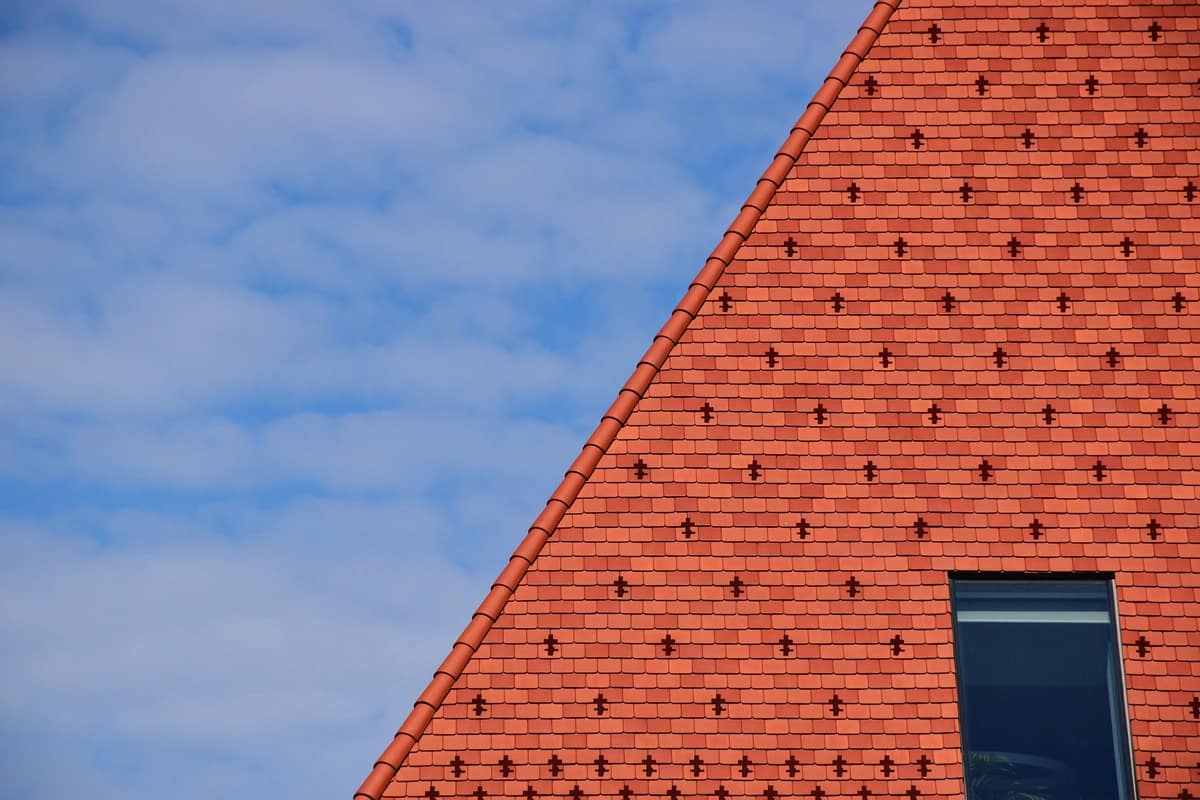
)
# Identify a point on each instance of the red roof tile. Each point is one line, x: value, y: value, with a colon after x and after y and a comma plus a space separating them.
x: 953, y: 328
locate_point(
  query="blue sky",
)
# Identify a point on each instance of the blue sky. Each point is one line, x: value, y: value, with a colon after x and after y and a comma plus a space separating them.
x: 305, y: 308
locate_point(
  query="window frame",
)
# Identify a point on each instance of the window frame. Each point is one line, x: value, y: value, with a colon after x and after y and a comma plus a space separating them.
x: 1109, y: 579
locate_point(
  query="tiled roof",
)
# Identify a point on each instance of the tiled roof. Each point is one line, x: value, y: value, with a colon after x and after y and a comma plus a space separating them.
x: 953, y: 328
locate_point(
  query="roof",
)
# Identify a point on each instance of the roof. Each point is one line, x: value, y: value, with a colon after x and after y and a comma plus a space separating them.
x: 952, y: 328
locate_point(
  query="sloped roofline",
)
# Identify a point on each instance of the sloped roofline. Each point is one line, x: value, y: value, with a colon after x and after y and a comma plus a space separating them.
x: 444, y: 678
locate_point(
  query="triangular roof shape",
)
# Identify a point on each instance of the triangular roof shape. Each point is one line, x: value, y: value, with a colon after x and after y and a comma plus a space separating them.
x: 952, y: 329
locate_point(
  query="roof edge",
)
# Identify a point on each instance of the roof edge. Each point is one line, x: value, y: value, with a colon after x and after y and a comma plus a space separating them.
x: 444, y: 678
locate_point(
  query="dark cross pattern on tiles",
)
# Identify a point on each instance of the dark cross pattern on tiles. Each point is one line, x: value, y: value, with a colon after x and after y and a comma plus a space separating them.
x: 721, y: 793
x: 1140, y: 137
x: 772, y: 357
x: 935, y: 413
x: 1048, y: 414
x: 625, y: 792
x: 480, y: 705
x: 1195, y: 707
x: 725, y: 300
x: 1077, y: 192
x: 998, y: 356
x: 790, y: 245
x: 1153, y: 529
x: 718, y: 704
x: 1099, y: 470
x: 1014, y: 246
x: 836, y: 705
x: 1155, y: 31
x: 871, y: 84
x: 935, y: 33
x: 674, y: 792
x: 1062, y: 301
x: 913, y: 792
x: 1143, y: 646
x: 457, y: 765
x: 551, y: 644
x: 802, y: 529
x: 923, y: 765
x: 818, y: 793
x: 576, y: 793
x: 793, y: 765
x: 897, y: 643
x: 885, y: 357
x: 864, y: 793
x: 432, y: 792
x: 901, y: 247
x: 622, y: 586
x: 839, y: 766
x: 870, y: 470
x: 1027, y: 138
x: 769, y: 793
x: 785, y: 645
x: 838, y: 302
x: 920, y: 528
x: 1152, y: 765
x: 744, y: 764
x: 688, y: 528
x: 1190, y: 190
x: 479, y: 793
x: 1178, y: 300
x: 640, y: 470
x: 1091, y: 83
x: 529, y: 792
x: 556, y: 765
x: 696, y: 764
x: 985, y: 471
x: 854, y: 192
x: 1185, y: 795
x: 601, y: 765
x: 1043, y: 32
x: 668, y: 645
x: 706, y: 412
x: 648, y: 765
x: 1127, y: 247
x: 853, y: 586
x: 601, y: 704
x: 755, y: 470
x: 948, y: 302
x: 981, y: 84
x: 965, y: 192
x: 917, y: 138
x: 506, y: 766
x: 1112, y: 356
x: 821, y: 411
x: 737, y: 586
x: 1035, y: 529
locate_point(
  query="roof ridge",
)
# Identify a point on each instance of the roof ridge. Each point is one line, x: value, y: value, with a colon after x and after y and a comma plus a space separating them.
x: 614, y: 419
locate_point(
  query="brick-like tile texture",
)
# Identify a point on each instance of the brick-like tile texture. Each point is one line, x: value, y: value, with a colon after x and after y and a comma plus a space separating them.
x: 962, y: 336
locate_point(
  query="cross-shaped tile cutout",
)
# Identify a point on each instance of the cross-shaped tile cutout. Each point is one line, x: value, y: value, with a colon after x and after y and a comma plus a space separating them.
x: 506, y: 766
x: 432, y: 792
x: 1140, y: 138
x: 935, y: 413
x: 1155, y: 30
x: 1062, y: 301
x: 920, y: 528
x: 697, y: 763
x: 1028, y: 138
x: 556, y: 765
x: 836, y: 705
x: 998, y: 356
x: 668, y: 645
x: 640, y: 470
x: 885, y: 357
x: 1043, y: 32
x: 790, y: 247
x: 1112, y: 355
x: 1035, y: 529
x: 917, y: 138
x: 687, y: 528
x: 457, y: 765
x: 1127, y: 247
x: 1091, y: 83
x: 838, y: 302
x: 985, y: 471
x: 706, y: 412
x: 769, y: 793
x: 1153, y: 529
x: 1099, y: 470
x: 1077, y: 192
x: 601, y: 765
x: 718, y: 704
x: 529, y: 792
x: 601, y: 704
x: 935, y: 33
x: 1048, y: 414
x: 737, y: 586
x: 981, y: 84
x: 1014, y: 246
x: 821, y: 411
x: 772, y: 357
x: 901, y: 247
x: 871, y: 84
x: 923, y: 765
x: 725, y: 300
x: 1143, y: 646
x: 479, y: 793
x: 897, y: 643
x: 648, y: 765
x: 551, y: 644
x: 852, y: 586
x: 947, y: 302
x: 744, y: 764
x: 479, y: 704
x: 755, y: 470
x: 839, y: 766
x: 802, y: 529
x: 854, y: 192
x: 785, y: 645
x: 1152, y: 765
x: 1190, y: 191
x: 674, y: 792
x: 793, y: 765
x: 622, y: 586
x: 870, y: 470
x: 576, y: 793
x: 1178, y: 300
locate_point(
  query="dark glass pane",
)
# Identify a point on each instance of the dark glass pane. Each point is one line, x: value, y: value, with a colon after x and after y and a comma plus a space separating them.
x: 1040, y: 688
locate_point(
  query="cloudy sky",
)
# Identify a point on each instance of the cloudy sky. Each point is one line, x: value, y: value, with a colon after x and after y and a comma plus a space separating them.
x: 305, y: 307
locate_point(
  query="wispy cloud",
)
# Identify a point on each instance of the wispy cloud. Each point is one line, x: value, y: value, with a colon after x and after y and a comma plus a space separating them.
x: 304, y: 308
